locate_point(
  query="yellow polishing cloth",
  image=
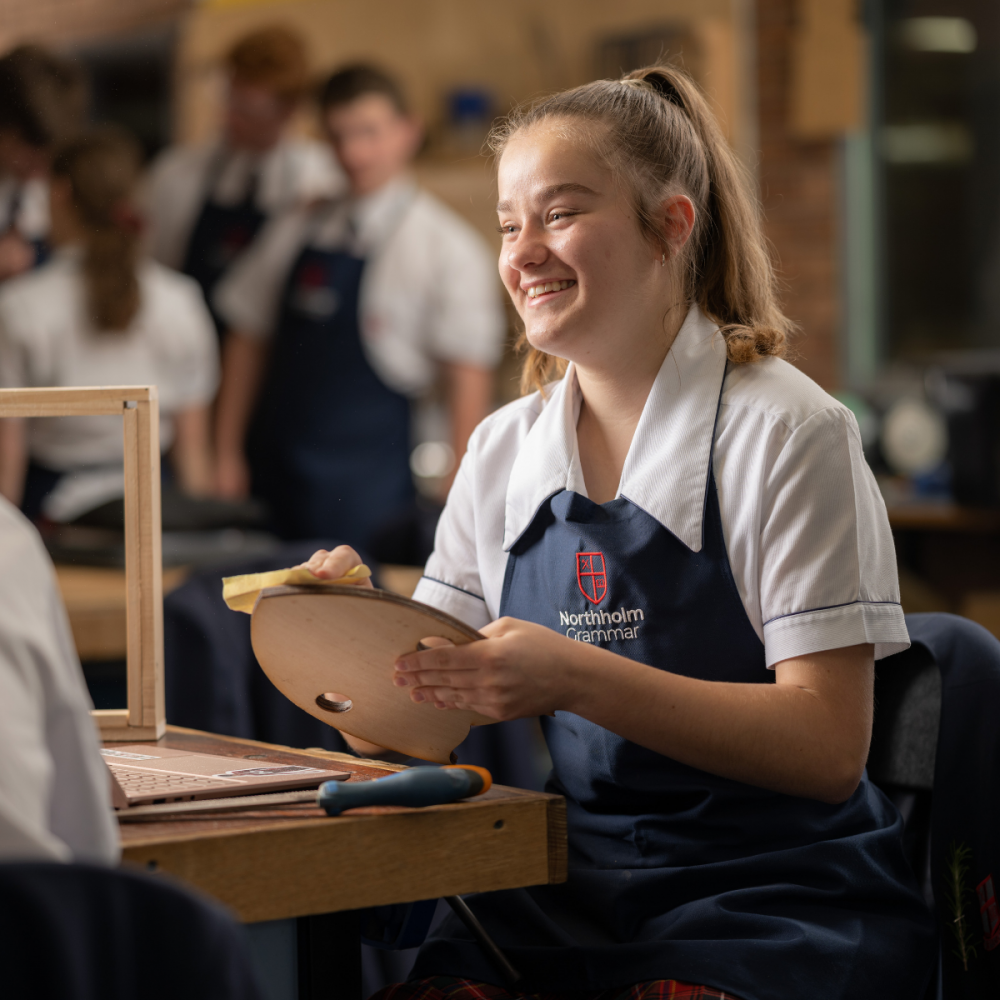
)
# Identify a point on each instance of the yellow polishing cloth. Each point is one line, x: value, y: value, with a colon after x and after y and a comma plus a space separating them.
x: 240, y: 592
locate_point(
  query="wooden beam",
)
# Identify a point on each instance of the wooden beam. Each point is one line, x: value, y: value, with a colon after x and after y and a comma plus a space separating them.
x: 72, y: 402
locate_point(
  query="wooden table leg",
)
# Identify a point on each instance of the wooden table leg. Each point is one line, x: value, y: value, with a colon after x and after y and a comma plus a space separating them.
x: 329, y: 955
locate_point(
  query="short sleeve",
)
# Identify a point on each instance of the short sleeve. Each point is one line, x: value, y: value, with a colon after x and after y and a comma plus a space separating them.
x: 249, y: 297
x: 451, y: 580
x: 827, y: 565
x: 469, y: 325
x: 186, y: 342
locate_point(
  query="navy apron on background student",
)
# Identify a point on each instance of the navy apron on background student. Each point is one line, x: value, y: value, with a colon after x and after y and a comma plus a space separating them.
x: 675, y: 873
x: 329, y: 448
x: 221, y: 232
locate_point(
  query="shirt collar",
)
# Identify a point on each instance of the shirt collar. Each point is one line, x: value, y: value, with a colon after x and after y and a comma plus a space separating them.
x: 374, y: 216
x: 666, y: 469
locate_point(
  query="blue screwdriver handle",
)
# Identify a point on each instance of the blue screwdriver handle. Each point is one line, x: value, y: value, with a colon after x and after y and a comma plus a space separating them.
x: 416, y: 786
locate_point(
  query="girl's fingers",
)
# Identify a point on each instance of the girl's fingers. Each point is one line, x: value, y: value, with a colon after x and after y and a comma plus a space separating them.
x: 436, y: 678
x: 333, y: 564
x: 439, y: 697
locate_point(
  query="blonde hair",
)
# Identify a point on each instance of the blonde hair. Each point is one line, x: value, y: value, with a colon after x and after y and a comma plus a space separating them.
x: 102, y: 169
x: 654, y: 130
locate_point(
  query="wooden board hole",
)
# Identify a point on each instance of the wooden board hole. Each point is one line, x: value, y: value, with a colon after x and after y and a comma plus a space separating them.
x: 330, y: 701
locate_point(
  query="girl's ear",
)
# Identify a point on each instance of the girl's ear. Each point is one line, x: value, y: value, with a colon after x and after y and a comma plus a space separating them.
x: 677, y: 215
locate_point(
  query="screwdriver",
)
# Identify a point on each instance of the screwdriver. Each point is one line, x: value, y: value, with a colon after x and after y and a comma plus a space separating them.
x: 424, y: 786
x: 416, y: 786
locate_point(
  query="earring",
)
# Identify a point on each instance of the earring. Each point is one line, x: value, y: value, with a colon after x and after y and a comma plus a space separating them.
x: 663, y: 259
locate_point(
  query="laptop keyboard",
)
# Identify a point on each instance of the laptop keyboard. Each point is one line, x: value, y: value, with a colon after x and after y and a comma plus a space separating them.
x: 162, y: 784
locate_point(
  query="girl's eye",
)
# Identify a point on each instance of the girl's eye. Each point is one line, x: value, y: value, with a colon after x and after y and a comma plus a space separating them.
x: 506, y: 230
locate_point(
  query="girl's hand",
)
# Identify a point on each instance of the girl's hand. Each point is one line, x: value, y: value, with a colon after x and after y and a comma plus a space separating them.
x: 520, y: 670
x: 333, y: 565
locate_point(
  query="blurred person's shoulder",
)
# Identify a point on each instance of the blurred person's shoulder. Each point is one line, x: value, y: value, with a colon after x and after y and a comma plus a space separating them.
x: 440, y: 225
x: 28, y: 581
x: 317, y: 173
x: 45, y: 296
x: 168, y: 295
x: 158, y: 279
x: 182, y: 163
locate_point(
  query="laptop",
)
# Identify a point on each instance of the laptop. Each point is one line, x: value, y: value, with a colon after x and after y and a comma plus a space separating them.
x: 142, y: 773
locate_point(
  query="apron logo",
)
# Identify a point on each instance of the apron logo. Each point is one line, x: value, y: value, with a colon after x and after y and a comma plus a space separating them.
x: 312, y: 295
x: 989, y: 913
x: 591, y: 576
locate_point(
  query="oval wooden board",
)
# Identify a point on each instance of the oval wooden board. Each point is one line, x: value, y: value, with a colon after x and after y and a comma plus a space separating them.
x: 312, y: 640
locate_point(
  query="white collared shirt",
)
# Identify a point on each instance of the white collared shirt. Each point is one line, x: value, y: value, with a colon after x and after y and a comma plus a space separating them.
x: 24, y: 206
x: 47, y: 340
x: 805, y: 526
x: 294, y: 172
x: 55, y: 801
x: 429, y: 292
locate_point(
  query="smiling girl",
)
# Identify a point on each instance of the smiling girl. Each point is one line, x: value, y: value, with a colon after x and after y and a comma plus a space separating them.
x: 681, y: 562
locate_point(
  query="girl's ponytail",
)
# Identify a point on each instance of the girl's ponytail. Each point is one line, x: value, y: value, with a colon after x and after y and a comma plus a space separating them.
x: 656, y: 131
x: 102, y: 170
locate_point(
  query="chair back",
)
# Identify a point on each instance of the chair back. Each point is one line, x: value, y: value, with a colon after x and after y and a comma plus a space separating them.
x: 82, y: 932
x: 953, y: 831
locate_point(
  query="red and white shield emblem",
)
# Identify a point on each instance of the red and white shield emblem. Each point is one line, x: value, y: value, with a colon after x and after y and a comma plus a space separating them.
x: 591, y: 576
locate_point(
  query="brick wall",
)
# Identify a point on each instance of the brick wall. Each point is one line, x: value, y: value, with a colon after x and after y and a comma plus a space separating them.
x: 798, y: 183
x: 57, y: 22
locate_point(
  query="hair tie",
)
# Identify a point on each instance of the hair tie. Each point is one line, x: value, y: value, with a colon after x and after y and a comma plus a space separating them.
x: 126, y: 218
x: 665, y: 89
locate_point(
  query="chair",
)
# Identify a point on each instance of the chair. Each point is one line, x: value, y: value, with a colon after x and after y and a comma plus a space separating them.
x: 936, y: 753
x: 82, y: 932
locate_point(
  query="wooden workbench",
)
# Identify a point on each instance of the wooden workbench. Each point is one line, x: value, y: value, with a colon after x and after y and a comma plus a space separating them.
x: 298, y: 862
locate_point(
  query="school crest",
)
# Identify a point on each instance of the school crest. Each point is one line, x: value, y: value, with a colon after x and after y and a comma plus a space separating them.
x: 591, y: 576
x: 989, y: 913
x: 312, y: 295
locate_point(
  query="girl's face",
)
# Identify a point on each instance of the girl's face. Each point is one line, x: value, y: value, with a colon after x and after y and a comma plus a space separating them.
x: 586, y: 282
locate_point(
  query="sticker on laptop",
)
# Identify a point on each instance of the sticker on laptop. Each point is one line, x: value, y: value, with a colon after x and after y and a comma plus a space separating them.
x: 130, y: 756
x: 265, y: 772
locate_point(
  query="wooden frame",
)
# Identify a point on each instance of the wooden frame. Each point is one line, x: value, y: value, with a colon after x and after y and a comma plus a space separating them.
x: 138, y: 406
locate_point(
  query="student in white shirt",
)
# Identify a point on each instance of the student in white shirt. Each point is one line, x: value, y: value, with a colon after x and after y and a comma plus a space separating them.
x: 55, y: 801
x: 340, y: 315
x: 42, y: 105
x: 681, y: 563
x: 98, y: 314
x: 207, y: 203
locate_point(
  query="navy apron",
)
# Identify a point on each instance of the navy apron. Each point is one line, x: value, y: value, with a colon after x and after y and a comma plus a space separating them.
x: 330, y: 446
x: 220, y: 234
x: 675, y: 873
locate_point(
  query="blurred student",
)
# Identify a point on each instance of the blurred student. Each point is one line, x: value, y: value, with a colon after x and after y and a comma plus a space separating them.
x: 42, y: 105
x: 55, y: 802
x: 340, y: 315
x: 206, y: 203
x: 97, y: 314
